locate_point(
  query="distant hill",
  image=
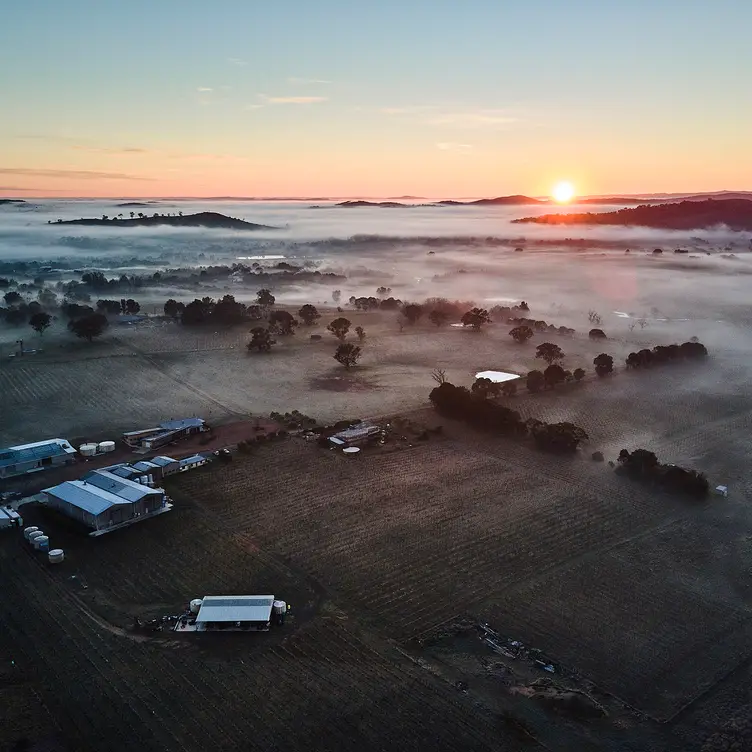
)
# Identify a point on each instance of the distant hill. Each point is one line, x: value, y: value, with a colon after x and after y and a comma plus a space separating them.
x: 685, y: 215
x: 11, y: 201
x: 517, y: 200
x: 202, y: 219
x: 137, y: 203
x: 500, y: 201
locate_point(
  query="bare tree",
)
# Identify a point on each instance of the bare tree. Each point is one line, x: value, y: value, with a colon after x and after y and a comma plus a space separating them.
x: 439, y: 376
x: 594, y: 317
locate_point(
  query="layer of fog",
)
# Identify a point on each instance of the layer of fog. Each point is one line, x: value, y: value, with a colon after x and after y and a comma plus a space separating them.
x: 320, y: 234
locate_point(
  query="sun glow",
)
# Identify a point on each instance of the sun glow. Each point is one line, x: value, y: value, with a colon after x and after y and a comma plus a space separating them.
x: 563, y: 192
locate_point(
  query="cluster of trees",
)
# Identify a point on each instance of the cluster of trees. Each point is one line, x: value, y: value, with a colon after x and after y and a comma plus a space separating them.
x: 115, y: 307
x: 461, y: 403
x: 643, y: 466
x: 536, y: 325
x: 666, y: 354
x: 226, y: 311
x: 374, y: 304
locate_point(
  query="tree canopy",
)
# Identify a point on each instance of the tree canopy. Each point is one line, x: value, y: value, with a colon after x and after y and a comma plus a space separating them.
x: 521, y: 334
x: 40, y: 321
x: 89, y: 326
x: 604, y: 364
x: 282, y: 323
x: 475, y: 318
x: 340, y: 327
x: 261, y: 340
x: 309, y: 314
x: 265, y: 298
x: 347, y: 354
x: 549, y: 352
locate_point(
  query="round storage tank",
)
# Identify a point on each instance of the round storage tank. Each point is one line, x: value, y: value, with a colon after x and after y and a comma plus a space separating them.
x: 42, y: 543
x: 106, y: 446
x: 36, y: 534
x: 56, y: 556
x: 279, y: 609
x: 29, y: 530
x: 87, y: 450
x: 196, y: 604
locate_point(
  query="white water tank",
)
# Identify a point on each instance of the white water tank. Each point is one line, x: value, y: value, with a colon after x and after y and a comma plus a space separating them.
x: 279, y: 610
x: 56, y: 556
x: 41, y: 543
x: 106, y: 446
x: 87, y: 450
x: 196, y: 604
x: 29, y: 530
x: 36, y: 534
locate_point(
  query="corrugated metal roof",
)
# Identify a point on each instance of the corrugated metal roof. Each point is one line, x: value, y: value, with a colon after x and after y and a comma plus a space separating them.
x: 192, y: 459
x: 144, y: 466
x: 121, y: 487
x: 232, y: 608
x: 179, y: 425
x: 39, y: 450
x: 124, y: 471
x: 163, y: 461
x: 85, y: 496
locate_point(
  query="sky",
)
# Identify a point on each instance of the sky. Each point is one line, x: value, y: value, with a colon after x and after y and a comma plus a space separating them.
x: 400, y: 97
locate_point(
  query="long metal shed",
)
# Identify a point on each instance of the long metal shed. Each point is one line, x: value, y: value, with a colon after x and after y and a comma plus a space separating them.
x: 235, y: 613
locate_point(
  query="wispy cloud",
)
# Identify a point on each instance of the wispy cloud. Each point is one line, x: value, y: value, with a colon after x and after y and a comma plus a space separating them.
x: 204, y: 88
x: 122, y: 150
x: 454, y: 117
x: 473, y: 119
x: 291, y: 100
x: 254, y: 107
x: 17, y: 189
x: 410, y: 110
x: 236, y: 61
x: 67, y: 174
x: 451, y: 146
x: 306, y: 81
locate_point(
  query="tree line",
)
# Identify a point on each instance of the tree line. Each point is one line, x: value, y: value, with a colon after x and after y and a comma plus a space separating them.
x: 460, y: 403
x: 643, y: 465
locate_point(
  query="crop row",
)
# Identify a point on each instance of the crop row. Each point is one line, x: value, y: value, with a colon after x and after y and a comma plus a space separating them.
x: 460, y: 527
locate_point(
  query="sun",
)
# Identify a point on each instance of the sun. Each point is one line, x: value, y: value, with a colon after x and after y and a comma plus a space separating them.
x: 563, y: 192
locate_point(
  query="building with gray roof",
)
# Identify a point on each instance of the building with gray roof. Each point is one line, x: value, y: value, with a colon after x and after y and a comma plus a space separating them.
x: 30, y: 458
x: 104, y: 501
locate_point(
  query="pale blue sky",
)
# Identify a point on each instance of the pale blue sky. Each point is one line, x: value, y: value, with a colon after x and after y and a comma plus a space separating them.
x: 334, y: 97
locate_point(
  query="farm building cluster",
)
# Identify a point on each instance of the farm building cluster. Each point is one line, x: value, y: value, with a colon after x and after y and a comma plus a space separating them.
x: 119, y: 495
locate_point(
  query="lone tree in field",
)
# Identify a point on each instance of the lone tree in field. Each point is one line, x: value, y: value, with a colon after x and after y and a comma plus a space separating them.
x: 347, y: 354
x: 554, y: 375
x: 535, y: 381
x: 579, y: 374
x: 39, y: 322
x: 265, y: 298
x: 361, y: 332
x: 604, y: 364
x: 89, y: 326
x: 282, y: 323
x: 308, y: 314
x: 597, y: 334
x: 262, y: 340
x: 521, y: 334
x: 438, y: 318
x: 340, y: 327
x: 412, y: 313
x: 475, y: 318
x: 549, y: 352
x: 12, y: 297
